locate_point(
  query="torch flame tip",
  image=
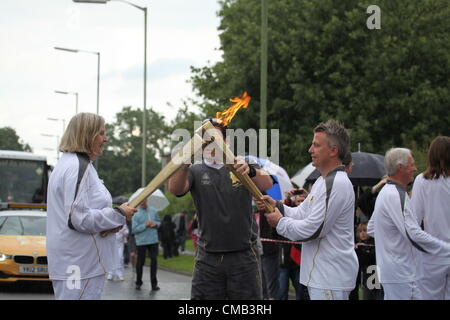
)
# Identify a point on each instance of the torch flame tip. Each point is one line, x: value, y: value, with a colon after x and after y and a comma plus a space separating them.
x: 226, y: 116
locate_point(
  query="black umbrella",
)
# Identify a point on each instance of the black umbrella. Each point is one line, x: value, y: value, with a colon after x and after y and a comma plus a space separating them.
x: 119, y: 199
x: 368, y: 169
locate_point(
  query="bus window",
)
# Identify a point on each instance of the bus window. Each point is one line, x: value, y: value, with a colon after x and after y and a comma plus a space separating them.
x: 22, y: 181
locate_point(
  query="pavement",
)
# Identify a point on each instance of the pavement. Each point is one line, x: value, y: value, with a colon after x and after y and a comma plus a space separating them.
x: 174, y: 286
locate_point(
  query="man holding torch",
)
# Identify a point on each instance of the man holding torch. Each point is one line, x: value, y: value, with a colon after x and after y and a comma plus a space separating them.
x: 227, y: 265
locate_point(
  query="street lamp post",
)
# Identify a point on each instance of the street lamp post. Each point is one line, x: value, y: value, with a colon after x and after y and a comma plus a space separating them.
x: 98, y: 69
x: 57, y: 142
x: 144, y: 120
x: 263, y: 74
x: 63, y: 123
x: 76, y: 98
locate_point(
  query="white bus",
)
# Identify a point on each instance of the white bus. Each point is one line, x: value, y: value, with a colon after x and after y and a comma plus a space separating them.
x: 23, y: 177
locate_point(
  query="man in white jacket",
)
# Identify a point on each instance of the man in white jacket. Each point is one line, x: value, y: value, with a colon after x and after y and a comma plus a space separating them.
x: 398, y: 236
x: 79, y: 208
x: 325, y: 220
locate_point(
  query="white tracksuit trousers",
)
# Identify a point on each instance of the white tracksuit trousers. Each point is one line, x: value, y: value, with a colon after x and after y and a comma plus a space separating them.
x: 86, y: 289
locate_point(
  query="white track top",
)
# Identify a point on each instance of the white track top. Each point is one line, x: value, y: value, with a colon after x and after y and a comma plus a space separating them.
x: 82, y: 251
x: 399, y: 238
x: 431, y: 205
x: 325, y: 223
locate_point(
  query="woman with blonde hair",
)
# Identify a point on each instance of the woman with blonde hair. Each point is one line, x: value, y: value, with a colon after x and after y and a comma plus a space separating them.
x: 79, y: 210
x: 431, y: 201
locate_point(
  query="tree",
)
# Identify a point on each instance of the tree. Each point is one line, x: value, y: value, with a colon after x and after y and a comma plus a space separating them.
x: 390, y: 87
x: 9, y: 140
x: 177, y: 204
x: 120, y: 166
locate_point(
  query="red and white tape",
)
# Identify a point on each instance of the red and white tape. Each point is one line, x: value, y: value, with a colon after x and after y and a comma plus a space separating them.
x: 280, y: 241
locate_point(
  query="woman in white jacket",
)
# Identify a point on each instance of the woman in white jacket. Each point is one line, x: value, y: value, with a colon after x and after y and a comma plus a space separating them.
x: 79, y: 209
x: 431, y: 200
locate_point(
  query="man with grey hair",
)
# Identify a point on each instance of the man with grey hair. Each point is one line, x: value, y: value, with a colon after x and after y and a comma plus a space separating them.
x: 324, y: 221
x: 398, y: 236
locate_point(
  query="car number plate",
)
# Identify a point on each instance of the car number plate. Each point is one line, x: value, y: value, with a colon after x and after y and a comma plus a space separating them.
x: 33, y: 270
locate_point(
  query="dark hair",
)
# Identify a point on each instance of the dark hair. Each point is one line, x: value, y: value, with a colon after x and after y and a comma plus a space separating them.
x: 337, y: 135
x: 218, y: 124
x: 438, y: 158
x: 347, y: 159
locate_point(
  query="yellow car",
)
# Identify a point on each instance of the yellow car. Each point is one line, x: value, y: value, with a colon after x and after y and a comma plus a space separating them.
x: 23, y: 255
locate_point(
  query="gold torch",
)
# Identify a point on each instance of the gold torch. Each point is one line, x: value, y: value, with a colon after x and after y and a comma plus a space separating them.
x: 196, y: 144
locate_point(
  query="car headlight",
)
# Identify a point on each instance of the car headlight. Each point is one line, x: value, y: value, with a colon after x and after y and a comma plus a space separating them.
x: 3, y: 257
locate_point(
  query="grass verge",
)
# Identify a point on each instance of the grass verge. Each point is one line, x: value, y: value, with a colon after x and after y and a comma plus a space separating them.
x: 183, y: 263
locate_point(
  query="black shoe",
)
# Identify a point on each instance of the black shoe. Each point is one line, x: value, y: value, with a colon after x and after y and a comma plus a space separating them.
x: 138, y: 286
x: 156, y: 288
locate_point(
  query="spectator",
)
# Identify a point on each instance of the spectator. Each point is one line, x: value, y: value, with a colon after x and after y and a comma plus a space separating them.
x: 365, y: 250
x: 366, y: 201
x: 290, y: 256
x: 167, y: 236
x: 180, y: 220
x: 364, y: 210
x: 269, y: 259
x: 145, y: 225
x: 193, y: 229
x: 121, y: 238
x: 131, y: 245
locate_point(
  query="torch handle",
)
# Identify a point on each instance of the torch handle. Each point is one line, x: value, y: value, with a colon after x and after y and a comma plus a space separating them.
x: 230, y: 159
x: 251, y: 186
x: 189, y: 150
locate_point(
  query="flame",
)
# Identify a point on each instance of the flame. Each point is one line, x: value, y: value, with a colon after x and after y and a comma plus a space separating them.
x: 225, y: 116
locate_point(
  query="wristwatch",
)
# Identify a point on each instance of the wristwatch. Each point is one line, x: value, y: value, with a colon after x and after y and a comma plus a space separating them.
x: 120, y: 210
x: 252, y: 171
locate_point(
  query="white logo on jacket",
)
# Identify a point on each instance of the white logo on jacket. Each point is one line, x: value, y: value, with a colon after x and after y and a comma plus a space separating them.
x: 74, y: 280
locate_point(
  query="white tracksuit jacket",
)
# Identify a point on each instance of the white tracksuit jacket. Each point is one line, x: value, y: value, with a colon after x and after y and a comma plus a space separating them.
x: 325, y: 224
x: 399, y: 238
x: 81, y: 250
x: 431, y: 205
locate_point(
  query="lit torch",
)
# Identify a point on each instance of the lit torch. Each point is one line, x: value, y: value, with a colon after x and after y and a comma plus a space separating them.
x: 224, y: 118
x: 193, y: 146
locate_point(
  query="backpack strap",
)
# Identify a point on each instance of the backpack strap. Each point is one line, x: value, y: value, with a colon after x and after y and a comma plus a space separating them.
x: 83, y: 161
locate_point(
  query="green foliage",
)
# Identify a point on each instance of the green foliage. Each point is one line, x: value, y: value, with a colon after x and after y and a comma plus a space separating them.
x: 182, y: 263
x: 420, y: 155
x: 389, y: 86
x: 120, y: 166
x: 177, y: 204
x: 184, y: 119
x: 9, y: 140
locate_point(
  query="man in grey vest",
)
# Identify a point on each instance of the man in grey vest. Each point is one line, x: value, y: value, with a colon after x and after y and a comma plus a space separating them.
x: 227, y: 264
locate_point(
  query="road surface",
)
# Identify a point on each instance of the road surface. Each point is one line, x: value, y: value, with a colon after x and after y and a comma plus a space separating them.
x: 173, y: 286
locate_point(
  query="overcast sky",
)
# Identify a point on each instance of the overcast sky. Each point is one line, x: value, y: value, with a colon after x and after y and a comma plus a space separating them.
x: 181, y: 33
